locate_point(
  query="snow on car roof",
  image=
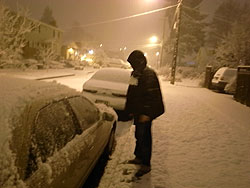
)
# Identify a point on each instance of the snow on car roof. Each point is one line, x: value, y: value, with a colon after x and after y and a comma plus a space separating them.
x: 113, y: 74
x: 15, y: 94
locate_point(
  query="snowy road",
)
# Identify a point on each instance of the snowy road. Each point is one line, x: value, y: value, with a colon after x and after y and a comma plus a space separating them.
x: 202, y: 141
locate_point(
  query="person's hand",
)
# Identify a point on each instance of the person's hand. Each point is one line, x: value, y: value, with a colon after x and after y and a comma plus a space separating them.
x: 143, y: 118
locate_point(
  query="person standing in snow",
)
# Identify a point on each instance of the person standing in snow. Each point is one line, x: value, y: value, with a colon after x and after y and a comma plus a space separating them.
x: 144, y: 103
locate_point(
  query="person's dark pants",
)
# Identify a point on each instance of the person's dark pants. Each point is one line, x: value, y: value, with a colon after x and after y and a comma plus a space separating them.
x: 143, y: 148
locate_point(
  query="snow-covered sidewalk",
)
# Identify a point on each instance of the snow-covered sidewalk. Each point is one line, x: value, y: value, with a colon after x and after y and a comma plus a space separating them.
x: 202, y: 141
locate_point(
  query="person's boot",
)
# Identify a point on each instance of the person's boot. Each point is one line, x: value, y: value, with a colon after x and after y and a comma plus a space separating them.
x: 144, y: 169
x: 135, y: 161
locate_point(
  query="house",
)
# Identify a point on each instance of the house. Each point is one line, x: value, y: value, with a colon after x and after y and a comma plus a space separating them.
x: 43, y: 36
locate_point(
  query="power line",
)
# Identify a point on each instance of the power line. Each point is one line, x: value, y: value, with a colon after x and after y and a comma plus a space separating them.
x: 128, y: 17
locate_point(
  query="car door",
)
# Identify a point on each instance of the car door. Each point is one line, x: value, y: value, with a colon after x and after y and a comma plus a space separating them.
x: 54, y: 147
x: 94, y: 128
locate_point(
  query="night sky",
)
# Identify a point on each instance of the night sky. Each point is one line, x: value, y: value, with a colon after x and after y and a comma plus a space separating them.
x: 130, y: 32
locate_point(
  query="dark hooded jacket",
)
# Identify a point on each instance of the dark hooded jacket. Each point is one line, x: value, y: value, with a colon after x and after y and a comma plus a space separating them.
x: 144, y: 93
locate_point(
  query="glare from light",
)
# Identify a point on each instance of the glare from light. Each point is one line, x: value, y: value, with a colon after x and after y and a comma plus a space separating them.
x: 89, y: 60
x: 153, y: 39
x: 83, y: 57
x: 100, y: 45
x: 145, y: 54
x: 125, y: 48
x: 91, y: 52
x: 157, y: 53
x: 71, y: 50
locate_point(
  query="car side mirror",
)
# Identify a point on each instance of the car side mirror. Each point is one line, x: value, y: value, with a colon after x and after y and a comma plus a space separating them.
x: 107, y: 116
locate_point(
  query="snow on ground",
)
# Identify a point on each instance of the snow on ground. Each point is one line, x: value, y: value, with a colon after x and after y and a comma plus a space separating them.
x: 202, y: 140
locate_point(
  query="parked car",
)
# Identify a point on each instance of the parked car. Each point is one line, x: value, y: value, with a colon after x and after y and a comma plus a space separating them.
x: 222, y: 77
x: 109, y: 86
x: 118, y: 63
x: 50, y: 135
x: 79, y: 67
x: 230, y: 88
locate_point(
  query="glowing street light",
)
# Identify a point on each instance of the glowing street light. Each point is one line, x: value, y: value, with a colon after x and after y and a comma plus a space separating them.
x: 157, y: 53
x: 153, y: 39
x: 83, y: 57
x: 71, y: 50
x: 91, y: 52
x: 100, y: 45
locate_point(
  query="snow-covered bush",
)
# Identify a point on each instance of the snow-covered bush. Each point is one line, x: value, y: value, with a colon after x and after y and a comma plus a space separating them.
x: 13, y: 28
x: 45, y: 55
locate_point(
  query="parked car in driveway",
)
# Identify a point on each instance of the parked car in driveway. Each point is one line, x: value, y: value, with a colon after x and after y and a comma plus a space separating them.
x: 50, y: 135
x: 109, y: 86
x: 222, y: 77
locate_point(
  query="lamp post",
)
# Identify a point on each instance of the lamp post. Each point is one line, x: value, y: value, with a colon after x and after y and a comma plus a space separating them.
x: 175, y: 55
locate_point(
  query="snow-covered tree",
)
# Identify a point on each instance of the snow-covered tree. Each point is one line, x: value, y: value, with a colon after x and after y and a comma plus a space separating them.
x: 234, y: 48
x: 203, y: 59
x: 47, y: 17
x: 229, y: 12
x: 192, y: 34
x: 13, y: 28
x: 45, y: 55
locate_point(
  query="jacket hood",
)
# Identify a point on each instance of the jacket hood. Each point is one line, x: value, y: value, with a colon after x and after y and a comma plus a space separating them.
x: 137, y: 60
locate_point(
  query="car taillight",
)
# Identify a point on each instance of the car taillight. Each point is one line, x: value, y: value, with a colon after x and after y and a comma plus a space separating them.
x: 90, y: 91
x: 118, y: 95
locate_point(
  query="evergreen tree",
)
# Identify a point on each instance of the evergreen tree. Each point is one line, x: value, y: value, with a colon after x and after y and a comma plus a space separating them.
x: 192, y: 34
x: 233, y: 50
x: 48, y: 18
x: 231, y: 42
x: 229, y: 12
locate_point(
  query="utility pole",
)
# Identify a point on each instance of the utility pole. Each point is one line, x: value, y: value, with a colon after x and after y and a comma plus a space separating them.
x: 176, y: 45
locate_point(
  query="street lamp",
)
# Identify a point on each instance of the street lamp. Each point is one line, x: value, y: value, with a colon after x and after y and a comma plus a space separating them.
x: 153, y: 39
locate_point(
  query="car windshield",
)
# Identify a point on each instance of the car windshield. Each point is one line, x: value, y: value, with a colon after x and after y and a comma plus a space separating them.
x: 112, y: 75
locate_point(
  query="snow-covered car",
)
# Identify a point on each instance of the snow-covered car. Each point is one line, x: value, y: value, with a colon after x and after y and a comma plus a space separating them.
x: 119, y: 63
x: 50, y: 135
x: 222, y: 77
x: 230, y: 88
x: 79, y: 67
x: 109, y: 86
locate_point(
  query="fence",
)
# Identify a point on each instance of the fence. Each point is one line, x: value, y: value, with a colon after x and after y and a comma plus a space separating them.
x: 242, y: 93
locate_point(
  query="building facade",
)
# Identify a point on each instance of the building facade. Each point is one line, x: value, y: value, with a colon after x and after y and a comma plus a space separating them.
x: 44, y: 36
